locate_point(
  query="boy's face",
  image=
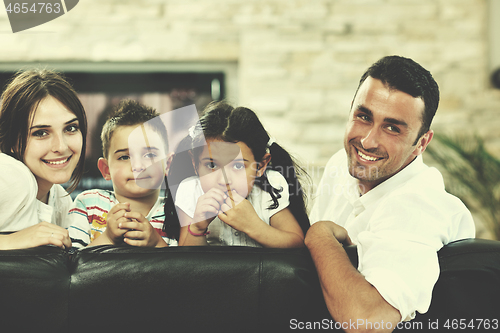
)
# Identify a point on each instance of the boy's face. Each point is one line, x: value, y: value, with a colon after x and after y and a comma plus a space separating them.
x: 136, y: 170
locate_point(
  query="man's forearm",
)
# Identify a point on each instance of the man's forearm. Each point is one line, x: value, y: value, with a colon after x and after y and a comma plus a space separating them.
x: 348, y: 296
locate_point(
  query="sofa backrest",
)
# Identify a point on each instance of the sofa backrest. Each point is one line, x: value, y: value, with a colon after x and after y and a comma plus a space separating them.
x: 228, y: 289
x: 186, y: 289
x: 34, y: 285
x: 469, y: 283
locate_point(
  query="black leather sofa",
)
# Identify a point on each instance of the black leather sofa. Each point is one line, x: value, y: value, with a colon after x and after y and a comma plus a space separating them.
x: 219, y: 289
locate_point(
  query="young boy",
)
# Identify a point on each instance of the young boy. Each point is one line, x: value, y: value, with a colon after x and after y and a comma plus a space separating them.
x: 135, y: 147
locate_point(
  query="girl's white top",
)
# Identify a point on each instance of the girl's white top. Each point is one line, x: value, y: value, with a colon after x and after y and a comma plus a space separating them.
x: 220, y: 233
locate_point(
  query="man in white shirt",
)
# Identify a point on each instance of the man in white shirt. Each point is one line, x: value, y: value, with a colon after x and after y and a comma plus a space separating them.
x: 378, y: 194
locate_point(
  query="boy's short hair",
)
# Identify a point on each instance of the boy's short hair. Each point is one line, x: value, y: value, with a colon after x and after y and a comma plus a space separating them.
x: 130, y: 113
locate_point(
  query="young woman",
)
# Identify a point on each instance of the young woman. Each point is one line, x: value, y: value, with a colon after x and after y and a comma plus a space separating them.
x: 42, y: 144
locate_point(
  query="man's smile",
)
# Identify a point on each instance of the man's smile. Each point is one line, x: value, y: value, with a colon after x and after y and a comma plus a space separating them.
x: 365, y: 157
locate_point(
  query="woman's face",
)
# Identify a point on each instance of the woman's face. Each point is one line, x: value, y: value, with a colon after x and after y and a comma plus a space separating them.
x: 54, y: 144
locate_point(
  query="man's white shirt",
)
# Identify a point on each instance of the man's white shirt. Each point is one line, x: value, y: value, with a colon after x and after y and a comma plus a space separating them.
x: 398, y: 227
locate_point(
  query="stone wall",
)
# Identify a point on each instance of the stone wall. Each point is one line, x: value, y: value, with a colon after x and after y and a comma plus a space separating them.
x: 298, y: 61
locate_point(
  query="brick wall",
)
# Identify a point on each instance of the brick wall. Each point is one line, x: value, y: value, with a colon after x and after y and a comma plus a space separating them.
x: 298, y: 61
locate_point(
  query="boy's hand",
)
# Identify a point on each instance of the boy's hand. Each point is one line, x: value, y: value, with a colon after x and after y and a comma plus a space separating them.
x: 207, y: 207
x: 116, y: 215
x: 239, y: 213
x: 139, y: 232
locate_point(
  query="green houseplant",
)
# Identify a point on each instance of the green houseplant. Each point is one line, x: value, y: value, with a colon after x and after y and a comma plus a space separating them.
x: 472, y: 174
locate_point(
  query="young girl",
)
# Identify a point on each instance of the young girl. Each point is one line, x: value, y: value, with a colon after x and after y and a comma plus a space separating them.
x: 245, y: 189
x: 42, y: 142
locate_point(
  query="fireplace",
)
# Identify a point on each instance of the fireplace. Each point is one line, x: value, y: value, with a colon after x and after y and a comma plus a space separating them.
x: 100, y: 90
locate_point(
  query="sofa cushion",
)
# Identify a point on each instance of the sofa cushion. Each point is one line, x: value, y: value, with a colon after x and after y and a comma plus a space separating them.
x: 469, y: 283
x: 228, y: 289
x: 234, y: 289
x: 34, y: 287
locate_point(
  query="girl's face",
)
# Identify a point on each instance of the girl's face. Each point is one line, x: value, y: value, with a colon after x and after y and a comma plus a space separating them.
x: 54, y: 144
x: 229, y: 166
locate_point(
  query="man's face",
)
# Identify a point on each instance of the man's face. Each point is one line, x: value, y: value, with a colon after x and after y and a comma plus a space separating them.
x: 382, y: 128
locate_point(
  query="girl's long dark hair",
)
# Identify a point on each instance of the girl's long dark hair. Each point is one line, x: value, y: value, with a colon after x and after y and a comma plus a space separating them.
x: 181, y: 168
x: 221, y: 121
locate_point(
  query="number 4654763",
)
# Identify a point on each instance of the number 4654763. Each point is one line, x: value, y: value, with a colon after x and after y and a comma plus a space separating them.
x: 36, y: 8
x: 479, y: 324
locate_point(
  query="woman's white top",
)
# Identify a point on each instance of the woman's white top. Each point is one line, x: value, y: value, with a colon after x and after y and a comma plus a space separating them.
x: 19, y: 207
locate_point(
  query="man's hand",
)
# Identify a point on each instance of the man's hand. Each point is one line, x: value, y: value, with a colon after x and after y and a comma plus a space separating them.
x: 334, y: 229
x: 347, y: 294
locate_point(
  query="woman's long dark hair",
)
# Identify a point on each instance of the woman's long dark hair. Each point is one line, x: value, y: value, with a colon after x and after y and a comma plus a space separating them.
x: 20, y: 100
x: 221, y: 121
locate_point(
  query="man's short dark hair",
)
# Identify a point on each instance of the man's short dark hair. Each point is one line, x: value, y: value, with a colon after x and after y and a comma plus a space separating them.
x: 406, y: 75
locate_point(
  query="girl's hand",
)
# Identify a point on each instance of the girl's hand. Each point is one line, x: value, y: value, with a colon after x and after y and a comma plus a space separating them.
x: 207, y: 208
x: 43, y: 233
x: 283, y: 230
x: 116, y: 215
x: 239, y: 213
x: 139, y: 232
